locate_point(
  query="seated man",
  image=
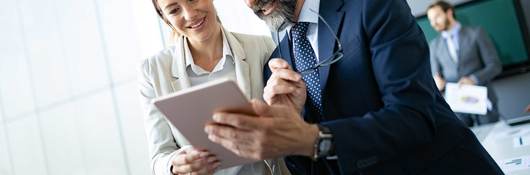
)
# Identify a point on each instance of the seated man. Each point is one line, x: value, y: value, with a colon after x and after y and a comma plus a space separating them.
x: 463, y: 55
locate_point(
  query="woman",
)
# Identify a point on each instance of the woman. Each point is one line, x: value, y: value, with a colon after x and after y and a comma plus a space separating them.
x: 203, y: 51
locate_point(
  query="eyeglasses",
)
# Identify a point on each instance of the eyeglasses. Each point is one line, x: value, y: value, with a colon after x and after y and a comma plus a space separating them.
x: 337, y: 55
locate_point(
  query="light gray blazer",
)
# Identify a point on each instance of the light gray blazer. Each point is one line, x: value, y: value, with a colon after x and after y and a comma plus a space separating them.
x: 165, y: 73
x: 477, y: 58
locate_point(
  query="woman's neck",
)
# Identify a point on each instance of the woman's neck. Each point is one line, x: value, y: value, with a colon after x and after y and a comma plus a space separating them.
x: 208, y: 52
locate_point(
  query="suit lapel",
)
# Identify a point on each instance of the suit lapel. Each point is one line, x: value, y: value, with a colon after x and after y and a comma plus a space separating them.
x: 241, y: 66
x: 444, y: 51
x: 330, y: 11
x: 285, y: 50
x: 462, y: 37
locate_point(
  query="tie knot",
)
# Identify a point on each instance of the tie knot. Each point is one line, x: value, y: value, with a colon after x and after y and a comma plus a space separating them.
x: 300, y: 29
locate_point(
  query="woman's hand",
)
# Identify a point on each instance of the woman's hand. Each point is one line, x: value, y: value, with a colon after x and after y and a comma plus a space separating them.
x: 189, y: 160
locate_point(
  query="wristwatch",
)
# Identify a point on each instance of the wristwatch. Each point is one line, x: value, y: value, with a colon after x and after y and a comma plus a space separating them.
x: 324, y: 143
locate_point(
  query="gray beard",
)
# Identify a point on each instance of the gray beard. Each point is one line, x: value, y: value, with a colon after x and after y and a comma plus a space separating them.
x: 281, y: 17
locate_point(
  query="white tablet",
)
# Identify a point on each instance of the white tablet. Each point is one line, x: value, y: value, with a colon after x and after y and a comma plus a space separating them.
x: 190, y: 109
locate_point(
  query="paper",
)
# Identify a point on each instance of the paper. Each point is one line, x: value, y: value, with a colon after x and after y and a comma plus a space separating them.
x: 521, y: 141
x: 515, y: 164
x: 467, y: 98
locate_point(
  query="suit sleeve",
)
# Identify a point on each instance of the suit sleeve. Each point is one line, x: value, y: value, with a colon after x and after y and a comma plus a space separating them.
x: 490, y: 59
x: 400, y: 62
x: 162, y: 146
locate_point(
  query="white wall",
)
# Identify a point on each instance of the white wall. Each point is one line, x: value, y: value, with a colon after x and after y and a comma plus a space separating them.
x: 68, y: 98
x: 237, y: 17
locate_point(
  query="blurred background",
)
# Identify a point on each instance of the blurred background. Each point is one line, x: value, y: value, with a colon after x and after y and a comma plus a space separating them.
x: 68, y: 97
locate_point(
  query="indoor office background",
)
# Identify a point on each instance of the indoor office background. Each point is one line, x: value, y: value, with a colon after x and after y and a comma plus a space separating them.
x: 68, y: 97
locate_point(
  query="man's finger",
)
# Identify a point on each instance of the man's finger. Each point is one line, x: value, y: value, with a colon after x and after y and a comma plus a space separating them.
x: 224, y: 132
x: 279, y: 87
x: 286, y: 74
x: 239, y: 121
x: 278, y: 63
x: 223, y: 142
x: 239, y: 148
x: 259, y: 107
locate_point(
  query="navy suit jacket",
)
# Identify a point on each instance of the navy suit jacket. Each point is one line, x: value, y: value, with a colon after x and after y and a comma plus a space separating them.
x: 380, y: 101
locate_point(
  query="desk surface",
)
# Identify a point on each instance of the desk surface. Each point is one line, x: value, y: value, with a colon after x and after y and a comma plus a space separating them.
x: 508, y: 145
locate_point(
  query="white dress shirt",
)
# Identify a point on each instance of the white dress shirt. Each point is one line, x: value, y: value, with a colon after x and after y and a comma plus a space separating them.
x: 306, y: 15
x: 225, y: 68
x: 452, y: 38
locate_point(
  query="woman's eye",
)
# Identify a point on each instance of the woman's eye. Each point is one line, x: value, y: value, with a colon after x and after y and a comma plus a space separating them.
x: 174, y: 11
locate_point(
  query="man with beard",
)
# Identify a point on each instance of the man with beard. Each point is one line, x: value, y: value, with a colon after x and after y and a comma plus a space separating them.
x: 350, y: 92
x: 463, y: 55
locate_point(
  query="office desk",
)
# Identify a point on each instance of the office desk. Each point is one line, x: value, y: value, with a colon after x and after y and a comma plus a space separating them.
x: 508, y: 145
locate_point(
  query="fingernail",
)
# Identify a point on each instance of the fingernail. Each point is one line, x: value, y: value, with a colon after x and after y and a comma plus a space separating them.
x: 207, y: 129
x: 212, y: 159
x: 216, y: 117
x: 203, y: 154
x: 195, y: 153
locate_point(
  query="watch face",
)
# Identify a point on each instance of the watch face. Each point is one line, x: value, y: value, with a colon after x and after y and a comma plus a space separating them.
x: 325, y: 146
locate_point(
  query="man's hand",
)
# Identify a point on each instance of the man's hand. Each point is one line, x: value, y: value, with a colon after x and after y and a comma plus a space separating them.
x: 285, y: 86
x: 276, y: 131
x: 440, y: 82
x: 528, y: 109
x: 466, y: 81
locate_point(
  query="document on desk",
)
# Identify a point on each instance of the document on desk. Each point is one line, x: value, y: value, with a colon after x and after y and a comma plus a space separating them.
x: 467, y: 98
x: 515, y: 164
x: 190, y: 109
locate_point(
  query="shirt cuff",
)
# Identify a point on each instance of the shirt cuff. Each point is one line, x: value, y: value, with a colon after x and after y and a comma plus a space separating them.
x: 169, y: 165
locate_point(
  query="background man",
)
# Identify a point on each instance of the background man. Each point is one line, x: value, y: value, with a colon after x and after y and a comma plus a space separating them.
x: 463, y: 55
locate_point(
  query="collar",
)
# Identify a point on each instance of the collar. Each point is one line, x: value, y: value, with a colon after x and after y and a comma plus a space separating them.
x: 306, y: 15
x: 453, y: 31
x: 227, y: 52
